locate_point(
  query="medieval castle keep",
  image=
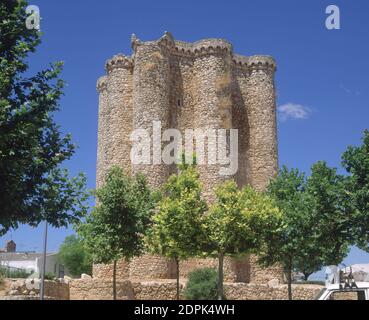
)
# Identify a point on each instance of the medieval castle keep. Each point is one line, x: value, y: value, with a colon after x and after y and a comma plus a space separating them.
x: 189, y: 85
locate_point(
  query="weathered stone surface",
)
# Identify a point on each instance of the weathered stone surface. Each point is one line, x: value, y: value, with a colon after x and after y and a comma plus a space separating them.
x: 262, y: 275
x: 243, y: 291
x: 273, y: 283
x: 31, y: 288
x: 97, y: 289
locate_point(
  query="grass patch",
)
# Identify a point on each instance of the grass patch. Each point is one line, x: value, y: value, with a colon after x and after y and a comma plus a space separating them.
x: 2, y: 282
x: 14, y: 274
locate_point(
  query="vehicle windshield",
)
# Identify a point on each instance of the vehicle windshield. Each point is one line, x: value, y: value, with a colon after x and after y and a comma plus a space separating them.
x: 320, y: 293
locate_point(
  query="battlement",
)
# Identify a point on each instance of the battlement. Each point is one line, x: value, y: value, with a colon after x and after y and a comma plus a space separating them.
x: 117, y: 62
x: 198, y: 49
x: 257, y: 62
x: 102, y: 83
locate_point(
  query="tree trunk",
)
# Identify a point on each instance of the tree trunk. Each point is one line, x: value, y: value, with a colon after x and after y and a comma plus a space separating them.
x: 115, y: 280
x: 177, y: 273
x: 289, y: 282
x: 306, y: 275
x: 220, y: 275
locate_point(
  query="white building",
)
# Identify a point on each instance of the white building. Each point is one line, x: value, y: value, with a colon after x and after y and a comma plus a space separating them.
x: 32, y: 262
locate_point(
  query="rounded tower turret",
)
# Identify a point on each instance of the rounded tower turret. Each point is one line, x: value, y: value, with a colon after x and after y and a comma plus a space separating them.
x: 103, y: 123
x: 151, y: 105
x: 212, y: 104
x: 262, y: 151
x: 119, y: 86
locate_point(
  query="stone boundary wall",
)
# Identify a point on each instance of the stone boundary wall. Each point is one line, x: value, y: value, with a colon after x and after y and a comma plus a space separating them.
x: 97, y: 289
x: 251, y: 291
x: 147, y: 267
x: 261, y: 275
x: 29, y: 289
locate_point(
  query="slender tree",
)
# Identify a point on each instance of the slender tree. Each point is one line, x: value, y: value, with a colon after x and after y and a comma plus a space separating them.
x: 331, y: 217
x: 116, y: 226
x: 32, y: 148
x: 314, y: 225
x: 235, y: 222
x: 355, y: 161
x: 292, y: 238
x: 177, y: 231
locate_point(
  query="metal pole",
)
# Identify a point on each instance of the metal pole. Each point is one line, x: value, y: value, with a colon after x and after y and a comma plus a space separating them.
x: 43, y: 271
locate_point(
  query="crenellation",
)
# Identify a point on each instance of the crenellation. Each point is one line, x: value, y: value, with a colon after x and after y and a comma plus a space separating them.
x: 117, y: 62
x: 101, y: 84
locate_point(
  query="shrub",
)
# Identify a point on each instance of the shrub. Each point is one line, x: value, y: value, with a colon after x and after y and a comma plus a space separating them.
x: 322, y: 283
x: 202, y: 285
x: 50, y: 276
x: 14, y: 273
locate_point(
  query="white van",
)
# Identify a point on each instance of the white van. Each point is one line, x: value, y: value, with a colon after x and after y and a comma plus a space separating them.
x: 344, y: 284
x: 335, y: 291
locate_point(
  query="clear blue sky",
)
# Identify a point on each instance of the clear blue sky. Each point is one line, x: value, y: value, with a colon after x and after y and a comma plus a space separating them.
x: 322, y: 76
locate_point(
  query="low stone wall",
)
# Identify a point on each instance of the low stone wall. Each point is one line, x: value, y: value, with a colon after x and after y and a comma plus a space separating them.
x: 29, y: 289
x: 157, y: 290
x: 242, y: 291
x: 149, y: 267
x: 235, y: 269
x: 105, y: 271
x: 97, y: 289
x: 262, y: 275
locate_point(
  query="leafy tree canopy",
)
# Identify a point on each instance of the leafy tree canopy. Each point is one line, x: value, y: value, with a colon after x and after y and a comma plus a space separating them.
x: 33, y: 185
x: 74, y: 256
x: 177, y: 230
x: 237, y: 218
x: 115, y: 228
x: 356, y: 162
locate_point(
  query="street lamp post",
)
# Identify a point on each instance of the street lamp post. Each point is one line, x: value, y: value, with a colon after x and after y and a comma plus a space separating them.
x: 43, y: 271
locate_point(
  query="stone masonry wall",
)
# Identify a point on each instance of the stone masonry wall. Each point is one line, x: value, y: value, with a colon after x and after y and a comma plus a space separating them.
x: 262, y: 275
x: 29, y: 289
x: 150, y: 267
x: 96, y: 289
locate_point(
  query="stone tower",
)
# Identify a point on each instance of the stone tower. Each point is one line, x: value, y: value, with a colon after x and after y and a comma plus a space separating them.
x: 10, y: 246
x: 188, y: 86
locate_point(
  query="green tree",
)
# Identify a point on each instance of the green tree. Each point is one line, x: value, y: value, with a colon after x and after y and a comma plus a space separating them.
x: 313, y: 227
x: 355, y: 160
x: 74, y: 256
x: 235, y: 221
x: 33, y: 186
x: 292, y: 238
x: 115, y: 228
x: 330, y: 219
x: 177, y: 231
